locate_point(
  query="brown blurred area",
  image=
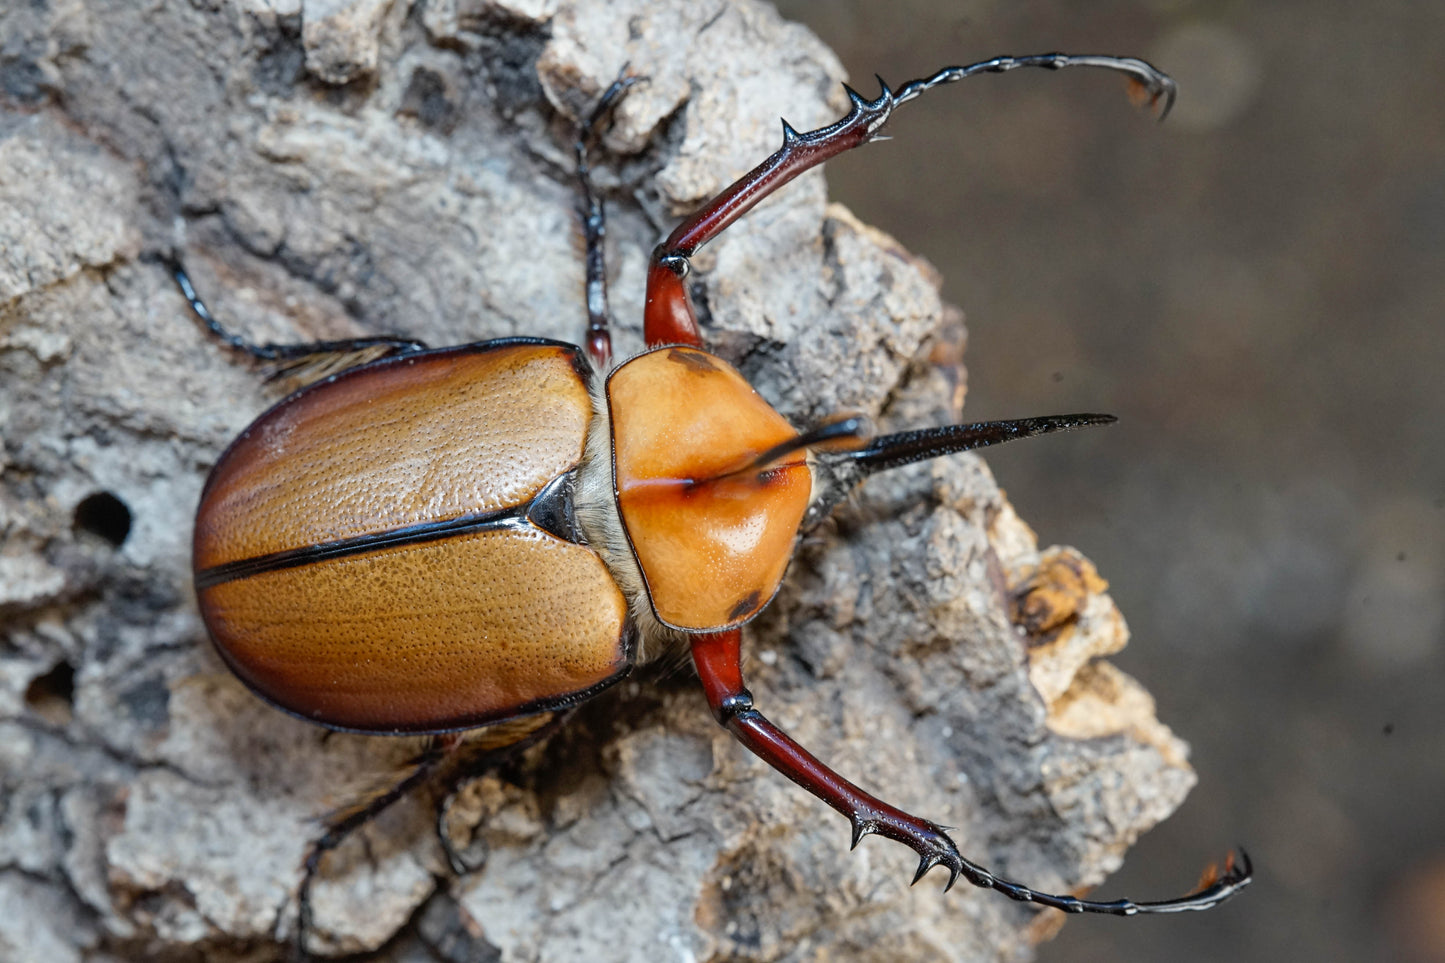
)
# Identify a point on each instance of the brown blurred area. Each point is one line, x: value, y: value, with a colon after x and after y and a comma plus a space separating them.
x: 1257, y: 289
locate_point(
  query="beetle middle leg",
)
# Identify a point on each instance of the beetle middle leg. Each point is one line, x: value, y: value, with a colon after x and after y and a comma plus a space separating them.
x: 718, y: 660
x: 345, y: 823
x: 594, y: 221
x: 483, y: 751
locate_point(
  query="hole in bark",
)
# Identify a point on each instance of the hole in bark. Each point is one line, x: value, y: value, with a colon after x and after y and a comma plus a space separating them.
x: 430, y: 100
x: 50, y: 695
x: 105, y: 515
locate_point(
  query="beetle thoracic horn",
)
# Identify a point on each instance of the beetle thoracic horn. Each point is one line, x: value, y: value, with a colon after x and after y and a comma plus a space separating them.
x: 907, y: 447
x: 848, y: 433
x: 853, y: 434
x: 837, y: 475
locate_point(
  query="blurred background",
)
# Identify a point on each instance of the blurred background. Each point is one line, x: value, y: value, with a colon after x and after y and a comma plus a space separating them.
x: 1257, y: 289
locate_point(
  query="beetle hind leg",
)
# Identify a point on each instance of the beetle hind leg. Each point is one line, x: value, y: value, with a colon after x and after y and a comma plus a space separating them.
x: 298, y: 364
x: 717, y: 657
x: 444, y: 764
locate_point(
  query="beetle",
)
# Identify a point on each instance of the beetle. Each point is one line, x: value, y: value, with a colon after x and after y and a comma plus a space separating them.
x: 466, y: 542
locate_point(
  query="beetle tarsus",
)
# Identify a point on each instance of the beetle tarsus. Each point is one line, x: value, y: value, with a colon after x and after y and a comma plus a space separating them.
x: 935, y: 848
x: 1154, y: 83
x: 462, y: 863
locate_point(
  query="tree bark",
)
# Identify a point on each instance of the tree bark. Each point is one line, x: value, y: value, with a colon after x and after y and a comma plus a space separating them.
x: 347, y: 167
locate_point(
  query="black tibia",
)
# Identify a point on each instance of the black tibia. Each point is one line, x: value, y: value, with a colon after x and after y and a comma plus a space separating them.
x: 287, y: 357
x: 343, y: 824
x: 594, y: 222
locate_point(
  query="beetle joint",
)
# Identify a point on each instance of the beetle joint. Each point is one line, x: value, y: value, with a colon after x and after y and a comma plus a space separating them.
x: 733, y: 706
x: 676, y: 263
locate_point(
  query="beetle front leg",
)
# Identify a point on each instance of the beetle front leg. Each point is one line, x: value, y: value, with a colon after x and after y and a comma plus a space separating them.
x: 718, y: 660
x: 669, y: 317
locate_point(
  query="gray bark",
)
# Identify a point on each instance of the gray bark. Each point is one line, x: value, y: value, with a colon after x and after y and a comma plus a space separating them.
x: 343, y: 167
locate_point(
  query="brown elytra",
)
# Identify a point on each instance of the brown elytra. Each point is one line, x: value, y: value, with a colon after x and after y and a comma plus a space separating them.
x: 365, y: 558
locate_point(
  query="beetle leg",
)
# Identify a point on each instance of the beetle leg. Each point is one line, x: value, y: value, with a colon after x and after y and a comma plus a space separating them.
x: 717, y: 657
x: 348, y: 821
x: 447, y: 761
x: 669, y: 317
x: 481, y: 751
x: 594, y: 223
x: 306, y: 361
x: 464, y: 860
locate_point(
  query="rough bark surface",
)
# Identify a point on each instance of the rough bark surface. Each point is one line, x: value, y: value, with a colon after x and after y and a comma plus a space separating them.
x: 339, y: 167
